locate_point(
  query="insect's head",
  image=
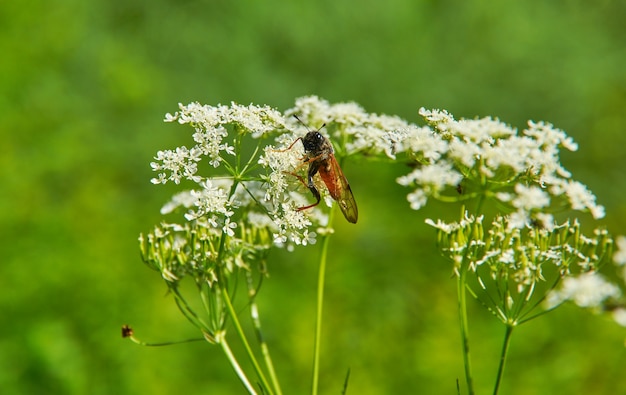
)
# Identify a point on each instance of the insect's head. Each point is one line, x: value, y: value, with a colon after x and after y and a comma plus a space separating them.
x: 313, y: 141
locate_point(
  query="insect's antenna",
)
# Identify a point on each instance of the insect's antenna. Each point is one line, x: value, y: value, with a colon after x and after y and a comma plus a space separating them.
x: 307, y: 126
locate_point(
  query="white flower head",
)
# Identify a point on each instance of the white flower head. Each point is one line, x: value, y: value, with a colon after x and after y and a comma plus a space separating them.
x: 520, y: 169
x: 435, y: 177
x: 545, y: 221
x: 184, y: 199
x: 619, y: 315
x: 417, y: 199
x: 528, y: 198
x: 479, y: 131
x: 579, y: 196
x: 620, y: 254
x: 589, y: 290
x: 254, y: 119
x: 422, y: 141
x: 437, y: 117
x: 211, y: 126
x: 348, y: 123
x: 211, y: 199
x: 180, y: 163
x: 549, y: 137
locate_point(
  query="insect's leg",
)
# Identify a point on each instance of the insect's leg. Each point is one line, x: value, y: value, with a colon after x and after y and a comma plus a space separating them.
x: 288, y: 148
x: 298, y: 176
x: 311, y: 187
x: 313, y: 168
x: 315, y: 193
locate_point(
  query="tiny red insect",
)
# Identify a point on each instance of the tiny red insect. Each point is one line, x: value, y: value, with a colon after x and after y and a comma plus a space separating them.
x: 319, y: 154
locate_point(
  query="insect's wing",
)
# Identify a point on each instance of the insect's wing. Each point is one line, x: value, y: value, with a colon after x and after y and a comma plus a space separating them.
x: 339, y: 189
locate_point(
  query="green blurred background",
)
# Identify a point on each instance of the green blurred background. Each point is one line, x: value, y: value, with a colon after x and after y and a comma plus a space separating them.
x: 84, y: 87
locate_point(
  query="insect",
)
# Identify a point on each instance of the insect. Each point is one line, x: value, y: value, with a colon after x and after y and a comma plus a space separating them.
x: 319, y: 154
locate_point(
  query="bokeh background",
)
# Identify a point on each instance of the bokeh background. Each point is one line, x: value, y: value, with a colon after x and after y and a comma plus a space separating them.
x: 84, y: 87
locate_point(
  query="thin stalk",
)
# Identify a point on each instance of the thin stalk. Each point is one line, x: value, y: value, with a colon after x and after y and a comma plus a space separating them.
x: 463, y: 321
x: 254, y: 313
x: 461, y: 285
x: 505, y: 349
x: 246, y: 344
x: 221, y: 340
x: 320, y: 301
x: 187, y: 311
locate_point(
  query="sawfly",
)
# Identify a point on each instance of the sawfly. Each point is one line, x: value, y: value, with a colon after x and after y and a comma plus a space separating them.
x: 320, y: 156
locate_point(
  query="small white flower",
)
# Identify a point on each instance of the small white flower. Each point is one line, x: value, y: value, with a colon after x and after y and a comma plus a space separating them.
x: 261, y: 220
x: 529, y: 198
x: 168, y: 275
x: 465, y: 152
x: 185, y: 199
x: 620, y: 254
x: 256, y: 119
x: 619, y: 315
x: 310, y: 108
x: 478, y: 131
x: 588, y: 290
x: 444, y: 227
x: 417, y: 199
x: 435, y: 177
x: 514, y: 153
x: 545, y: 220
x: 518, y: 220
x: 507, y: 257
x: 228, y: 227
x: 436, y: 116
x: 546, y: 135
x: 211, y: 199
x: 420, y: 140
x: 349, y: 113
x: 579, y: 196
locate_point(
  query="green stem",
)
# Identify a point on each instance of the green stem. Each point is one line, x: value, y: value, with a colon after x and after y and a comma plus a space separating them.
x: 463, y: 321
x: 246, y: 344
x: 221, y: 340
x: 505, y: 349
x: 320, y: 301
x: 187, y: 311
x: 254, y: 313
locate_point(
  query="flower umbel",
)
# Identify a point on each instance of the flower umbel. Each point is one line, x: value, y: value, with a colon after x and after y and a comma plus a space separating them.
x: 511, y: 269
x: 236, y: 190
x: 485, y: 158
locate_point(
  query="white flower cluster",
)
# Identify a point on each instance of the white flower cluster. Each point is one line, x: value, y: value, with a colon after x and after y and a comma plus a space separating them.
x: 457, y: 160
x: 348, y: 123
x: 257, y: 199
x: 352, y: 130
x: 589, y: 290
x: 291, y: 224
x: 212, y: 200
x: 254, y: 119
x: 209, y: 123
x: 620, y: 255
